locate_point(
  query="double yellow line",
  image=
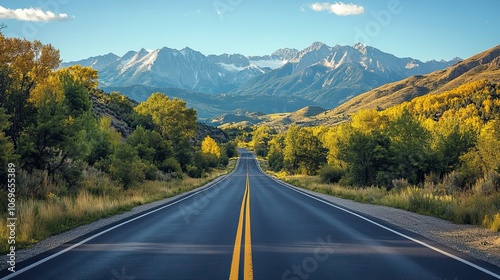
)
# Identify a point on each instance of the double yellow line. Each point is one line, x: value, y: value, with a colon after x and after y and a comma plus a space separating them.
x: 244, y: 215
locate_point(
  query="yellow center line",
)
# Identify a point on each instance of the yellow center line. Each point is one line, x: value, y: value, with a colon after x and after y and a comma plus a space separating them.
x: 235, y: 264
x: 248, y: 268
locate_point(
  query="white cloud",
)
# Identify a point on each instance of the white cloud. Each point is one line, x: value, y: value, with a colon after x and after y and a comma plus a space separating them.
x: 31, y: 14
x: 338, y: 8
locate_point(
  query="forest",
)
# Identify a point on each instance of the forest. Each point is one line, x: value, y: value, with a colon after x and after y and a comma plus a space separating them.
x: 441, y: 148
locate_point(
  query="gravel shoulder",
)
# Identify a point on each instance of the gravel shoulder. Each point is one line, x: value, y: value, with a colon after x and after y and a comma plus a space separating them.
x: 474, y: 241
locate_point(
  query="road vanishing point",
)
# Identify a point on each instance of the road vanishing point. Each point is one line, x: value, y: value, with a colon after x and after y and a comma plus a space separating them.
x: 248, y: 225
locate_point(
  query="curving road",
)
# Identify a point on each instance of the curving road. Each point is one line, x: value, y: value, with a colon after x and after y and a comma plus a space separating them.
x: 250, y: 226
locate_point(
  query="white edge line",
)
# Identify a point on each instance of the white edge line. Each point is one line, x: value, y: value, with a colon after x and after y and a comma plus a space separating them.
x: 382, y: 226
x: 31, y: 266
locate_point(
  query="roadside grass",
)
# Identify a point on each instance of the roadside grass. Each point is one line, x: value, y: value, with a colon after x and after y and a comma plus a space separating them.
x: 99, y: 198
x: 460, y: 208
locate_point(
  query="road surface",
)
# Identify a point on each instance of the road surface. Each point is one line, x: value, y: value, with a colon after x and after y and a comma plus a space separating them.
x: 250, y: 226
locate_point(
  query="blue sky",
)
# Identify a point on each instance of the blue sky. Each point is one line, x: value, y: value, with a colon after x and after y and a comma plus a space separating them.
x: 423, y: 29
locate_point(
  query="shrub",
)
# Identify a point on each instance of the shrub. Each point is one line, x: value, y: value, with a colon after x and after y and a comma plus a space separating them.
x: 126, y: 166
x: 150, y: 171
x: 193, y: 171
x: 171, y: 166
x: 453, y: 182
x: 400, y: 184
x: 487, y: 185
x: 492, y: 223
x: 330, y: 175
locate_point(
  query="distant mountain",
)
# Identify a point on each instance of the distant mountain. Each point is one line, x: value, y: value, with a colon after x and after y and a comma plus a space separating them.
x: 320, y: 73
x: 96, y: 62
x: 184, y: 69
x: 333, y: 75
x: 485, y: 65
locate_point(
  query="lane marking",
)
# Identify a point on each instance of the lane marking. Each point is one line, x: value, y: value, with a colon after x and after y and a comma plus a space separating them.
x: 247, y: 257
x: 457, y: 258
x: 235, y: 264
x: 33, y: 265
x: 248, y: 267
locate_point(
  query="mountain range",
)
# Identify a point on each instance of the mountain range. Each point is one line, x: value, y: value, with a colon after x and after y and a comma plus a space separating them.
x: 485, y: 65
x: 319, y: 74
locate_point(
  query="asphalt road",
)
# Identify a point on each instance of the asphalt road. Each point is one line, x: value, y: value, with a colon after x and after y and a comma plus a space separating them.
x: 249, y: 226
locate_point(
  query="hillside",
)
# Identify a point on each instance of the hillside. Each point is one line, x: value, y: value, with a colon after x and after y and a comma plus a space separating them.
x: 485, y: 65
x: 276, y: 120
x: 119, y: 109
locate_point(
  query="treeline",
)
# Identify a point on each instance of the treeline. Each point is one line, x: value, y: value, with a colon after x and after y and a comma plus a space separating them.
x: 51, y: 131
x: 448, y: 141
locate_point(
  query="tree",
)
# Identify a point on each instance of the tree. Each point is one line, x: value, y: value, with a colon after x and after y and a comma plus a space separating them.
x: 29, y: 63
x: 409, y: 148
x: 303, y: 152
x: 126, y: 166
x: 174, y: 121
x: 150, y: 145
x: 103, y: 139
x: 260, y: 140
x: 209, y: 146
x: 6, y: 147
x: 56, y: 143
x: 275, y: 155
x: 172, y: 117
x: 366, y: 155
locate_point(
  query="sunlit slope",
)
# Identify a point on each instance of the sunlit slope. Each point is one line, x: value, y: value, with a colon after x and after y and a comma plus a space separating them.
x: 485, y: 65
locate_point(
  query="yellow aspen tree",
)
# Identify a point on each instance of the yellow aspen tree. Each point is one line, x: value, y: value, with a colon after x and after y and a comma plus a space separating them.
x: 209, y: 146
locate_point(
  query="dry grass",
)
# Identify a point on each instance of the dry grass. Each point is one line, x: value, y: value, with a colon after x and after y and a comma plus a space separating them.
x: 462, y: 208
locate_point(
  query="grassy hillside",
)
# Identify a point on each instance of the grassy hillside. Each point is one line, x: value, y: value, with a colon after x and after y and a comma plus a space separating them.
x: 485, y: 65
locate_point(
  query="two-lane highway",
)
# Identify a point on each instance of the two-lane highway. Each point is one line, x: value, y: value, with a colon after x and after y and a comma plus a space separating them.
x: 251, y: 226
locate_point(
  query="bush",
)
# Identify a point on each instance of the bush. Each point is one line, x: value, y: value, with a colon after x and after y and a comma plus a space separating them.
x: 400, y: 184
x: 453, y: 182
x: 487, y: 185
x: 150, y: 171
x: 330, y: 175
x: 98, y: 183
x: 193, y: 171
x: 126, y: 166
x: 492, y: 223
x: 171, y: 166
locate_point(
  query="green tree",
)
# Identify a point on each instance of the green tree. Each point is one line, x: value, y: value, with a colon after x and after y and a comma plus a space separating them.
x: 275, y: 155
x: 409, y: 149
x: 174, y: 120
x: 150, y: 146
x: 366, y: 155
x: 6, y: 147
x: 303, y: 152
x: 260, y: 140
x: 103, y: 140
x: 55, y: 143
x: 126, y: 167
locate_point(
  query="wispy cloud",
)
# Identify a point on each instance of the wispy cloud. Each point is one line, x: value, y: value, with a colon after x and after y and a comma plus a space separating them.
x: 31, y: 14
x: 338, y: 8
